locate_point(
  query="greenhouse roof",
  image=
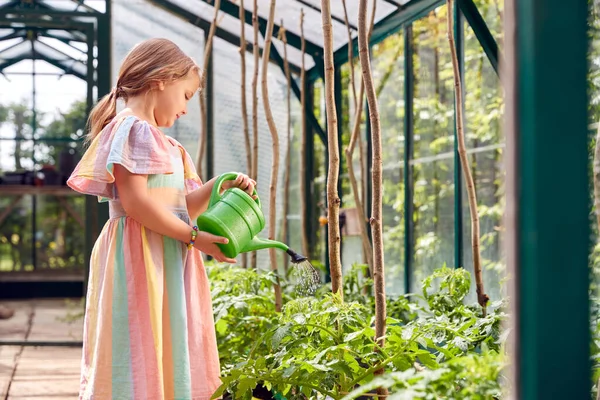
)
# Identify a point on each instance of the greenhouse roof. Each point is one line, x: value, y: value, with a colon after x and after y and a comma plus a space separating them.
x: 390, y: 16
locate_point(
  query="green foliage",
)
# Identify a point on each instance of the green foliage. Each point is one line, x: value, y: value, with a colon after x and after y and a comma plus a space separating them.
x: 243, y: 307
x: 473, y: 377
x: 322, y: 346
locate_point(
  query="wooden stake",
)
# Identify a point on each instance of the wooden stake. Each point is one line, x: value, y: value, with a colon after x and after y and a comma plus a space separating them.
x: 203, y: 112
x: 243, y: 86
x: 377, y: 178
x: 254, y: 169
x: 275, y: 161
x: 482, y: 298
x: 303, y: 188
x: 367, y: 251
x: 333, y: 201
x: 286, y: 195
x: 242, y: 18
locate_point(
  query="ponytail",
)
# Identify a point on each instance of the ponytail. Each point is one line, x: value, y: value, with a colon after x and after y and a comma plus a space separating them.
x: 102, y: 114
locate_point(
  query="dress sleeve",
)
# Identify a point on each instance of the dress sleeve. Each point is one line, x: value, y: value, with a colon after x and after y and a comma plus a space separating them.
x: 129, y: 142
x: 190, y: 175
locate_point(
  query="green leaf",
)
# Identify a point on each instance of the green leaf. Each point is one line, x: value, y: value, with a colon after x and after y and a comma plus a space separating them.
x: 219, y: 392
x: 427, y: 360
x: 353, y: 335
x: 245, y: 385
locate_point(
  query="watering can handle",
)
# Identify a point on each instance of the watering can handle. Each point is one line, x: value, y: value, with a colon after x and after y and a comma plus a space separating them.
x: 215, y: 195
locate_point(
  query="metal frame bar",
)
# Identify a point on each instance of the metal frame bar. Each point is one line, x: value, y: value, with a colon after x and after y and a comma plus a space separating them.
x: 104, y: 34
x: 333, y: 17
x: 309, y: 177
x: 293, y: 39
x: 389, y: 25
x: 337, y: 90
x: 205, y: 26
x: 4, y: 11
x: 408, y: 155
x: 482, y: 32
x: 459, y: 29
x: 547, y: 236
x: 37, y: 25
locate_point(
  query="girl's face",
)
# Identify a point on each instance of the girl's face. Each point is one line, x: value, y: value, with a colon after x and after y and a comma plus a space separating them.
x: 172, y: 98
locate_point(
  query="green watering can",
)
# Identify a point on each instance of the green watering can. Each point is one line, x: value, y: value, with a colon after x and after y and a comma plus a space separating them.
x: 238, y: 217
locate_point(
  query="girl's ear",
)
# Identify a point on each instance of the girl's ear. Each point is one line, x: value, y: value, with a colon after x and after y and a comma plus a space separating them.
x: 158, y: 85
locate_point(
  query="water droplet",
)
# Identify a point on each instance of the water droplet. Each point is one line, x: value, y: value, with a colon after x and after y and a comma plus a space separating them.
x: 306, y: 278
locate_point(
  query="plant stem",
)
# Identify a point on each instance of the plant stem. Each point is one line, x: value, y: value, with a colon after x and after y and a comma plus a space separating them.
x: 275, y: 160
x: 377, y: 179
x: 333, y: 200
x: 482, y: 298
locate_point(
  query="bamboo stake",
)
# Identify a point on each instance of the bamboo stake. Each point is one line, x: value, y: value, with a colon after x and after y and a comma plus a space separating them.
x: 368, y: 254
x: 275, y: 161
x: 286, y: 195
x: 254, y: 168
x: 243, y: 86
x: 303, y: 188
x: 333, y: 201
x: 482, y: 298
x: 362, y: 150
x: 203, y: 112
x: 242, y: 17
x: 377, y: 178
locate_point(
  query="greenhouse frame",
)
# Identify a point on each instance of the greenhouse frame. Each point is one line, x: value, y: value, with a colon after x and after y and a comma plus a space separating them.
x: 544, y: 206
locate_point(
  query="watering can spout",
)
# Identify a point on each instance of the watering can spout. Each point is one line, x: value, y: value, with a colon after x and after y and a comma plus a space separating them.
x: 258, y: 244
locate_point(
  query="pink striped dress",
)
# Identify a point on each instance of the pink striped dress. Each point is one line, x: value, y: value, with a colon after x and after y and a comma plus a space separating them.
x: 149, y: 331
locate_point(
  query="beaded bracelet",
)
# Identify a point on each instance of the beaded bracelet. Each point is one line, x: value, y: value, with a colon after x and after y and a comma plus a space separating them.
x: 193, y: 240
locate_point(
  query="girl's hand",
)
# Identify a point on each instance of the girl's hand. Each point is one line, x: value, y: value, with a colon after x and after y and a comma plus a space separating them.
x: 243, y: 182
x: 206, y: 243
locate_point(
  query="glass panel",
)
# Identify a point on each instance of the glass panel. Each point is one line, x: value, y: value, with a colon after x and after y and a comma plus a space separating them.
x: 16, y: 50
x: 16, y: 234
x: 225, y: 21
x: 60, y: 238
x: 78, y: 36
x: 135, y: 21
x: 289, y: 12
x: 64, y: 48
x: 232, y: 25
x: 16, y: 155
x: 433, y: 171
x: 484, y: 108
x: 383, y: 10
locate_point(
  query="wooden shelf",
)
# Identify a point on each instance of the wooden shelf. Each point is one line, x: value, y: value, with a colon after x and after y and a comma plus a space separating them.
x: 19, y: 190
x: 45, y: 275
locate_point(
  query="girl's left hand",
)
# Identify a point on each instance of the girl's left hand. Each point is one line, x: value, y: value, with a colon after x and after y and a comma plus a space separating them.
x: 243, y: 182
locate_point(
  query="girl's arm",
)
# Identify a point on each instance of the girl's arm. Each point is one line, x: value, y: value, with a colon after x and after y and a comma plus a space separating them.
x: 197, y: 201
x: 133, y: 193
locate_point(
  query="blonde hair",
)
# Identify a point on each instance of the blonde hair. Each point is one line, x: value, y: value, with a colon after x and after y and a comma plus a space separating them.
x: 149, y: 62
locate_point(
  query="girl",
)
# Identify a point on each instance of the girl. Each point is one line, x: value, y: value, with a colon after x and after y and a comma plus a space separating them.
x: 149, y: 329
